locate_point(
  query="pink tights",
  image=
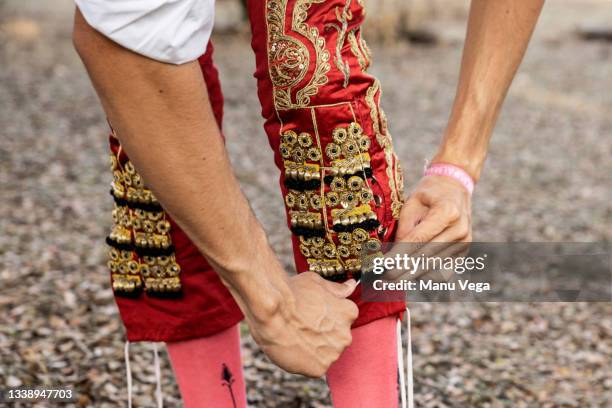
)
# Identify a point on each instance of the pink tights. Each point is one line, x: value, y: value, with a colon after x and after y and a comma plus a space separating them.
x: 209, y: 370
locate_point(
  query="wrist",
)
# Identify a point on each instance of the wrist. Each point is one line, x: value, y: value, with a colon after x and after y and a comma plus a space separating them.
x: 264, y: 295
x: 470, y: 162
x: 258, y: 282
x: 451, y: 171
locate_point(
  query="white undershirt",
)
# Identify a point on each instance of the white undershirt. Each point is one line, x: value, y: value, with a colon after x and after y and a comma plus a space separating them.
x: 172, y: 31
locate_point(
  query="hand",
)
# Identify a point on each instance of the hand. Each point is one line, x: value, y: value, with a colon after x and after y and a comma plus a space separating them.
x: 439, y: 210
x: 310, y: 328
x: 436, y: 219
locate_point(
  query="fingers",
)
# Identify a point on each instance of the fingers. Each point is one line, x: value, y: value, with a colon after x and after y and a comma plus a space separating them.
x: 413, y: 211
x: 436, y: 220
x: 457, y: 232
x: 345, y: 308
x: 351, y: 310
x: 460, y: 232
x: 443, y: 227
x: 452, y: 250
x: 312, y: 335
x: 340, y: 290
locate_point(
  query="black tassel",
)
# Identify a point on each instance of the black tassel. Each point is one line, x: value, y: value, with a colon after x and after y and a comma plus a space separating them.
x: 302, y: 185
x: 368, y: 225
x: 134, y: 205
x: 129, y: 295
x: 147, y: 251
x: 122, y: 247
x: 307, y: 232
x: 341, y: 277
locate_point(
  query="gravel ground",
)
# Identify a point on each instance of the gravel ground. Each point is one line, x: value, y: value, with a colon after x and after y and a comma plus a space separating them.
x: 547, y: 179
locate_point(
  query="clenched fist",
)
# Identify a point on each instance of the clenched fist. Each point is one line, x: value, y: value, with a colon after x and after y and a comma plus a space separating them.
x: 311, y: 328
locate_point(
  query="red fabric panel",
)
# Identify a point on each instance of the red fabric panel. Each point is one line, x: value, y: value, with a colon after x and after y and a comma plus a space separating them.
x: 206, y: 306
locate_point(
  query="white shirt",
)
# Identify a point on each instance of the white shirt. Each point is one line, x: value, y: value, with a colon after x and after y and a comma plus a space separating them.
x: 173, y: 31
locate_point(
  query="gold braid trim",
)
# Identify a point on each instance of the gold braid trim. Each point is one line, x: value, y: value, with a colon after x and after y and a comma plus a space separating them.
x: 343, y: 17
x: 385, y: 140
x: 356, y: 50
x: 289, y: 59
x: 367, y: 52
x: 322, y: 67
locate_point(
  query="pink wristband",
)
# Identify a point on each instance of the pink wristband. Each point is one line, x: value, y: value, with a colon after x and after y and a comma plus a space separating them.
x: 449, y: 170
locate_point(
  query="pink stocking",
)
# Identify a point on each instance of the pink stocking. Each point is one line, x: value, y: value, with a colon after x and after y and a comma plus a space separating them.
x: 365, y: 375
x: 209, y: 370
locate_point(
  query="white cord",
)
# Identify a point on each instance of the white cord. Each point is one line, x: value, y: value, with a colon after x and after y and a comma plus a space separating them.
x: 400, y: 363
x: 406, y: 380
x: 128, y: 372
x: 409, y: 373
x: 158, y: 389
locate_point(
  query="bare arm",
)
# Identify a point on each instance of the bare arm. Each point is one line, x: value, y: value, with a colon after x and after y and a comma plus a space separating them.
x: 164, y: 120
x: 497, y: 37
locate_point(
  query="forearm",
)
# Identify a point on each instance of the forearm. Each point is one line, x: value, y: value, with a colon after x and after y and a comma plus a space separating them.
x: 164, y: 121
x: 497, y: 37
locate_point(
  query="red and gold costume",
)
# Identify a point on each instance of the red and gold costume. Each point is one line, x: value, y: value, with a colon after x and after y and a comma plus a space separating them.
x: 339, y: 176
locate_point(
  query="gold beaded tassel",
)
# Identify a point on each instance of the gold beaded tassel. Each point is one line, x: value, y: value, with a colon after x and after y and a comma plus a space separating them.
x: 350, y: 199
x: 152, y: 239
x: 350, y: 169
x: 123, y: 262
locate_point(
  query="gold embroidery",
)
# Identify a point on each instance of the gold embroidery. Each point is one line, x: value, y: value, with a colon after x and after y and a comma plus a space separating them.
x: 141, y: 253
x: 303, y: 201
x: 322, y: 67
x: 343, y: 18
x: 356, y: 215
x: 298, y: 173
x: 339, y: 135
x: 337, y: 189
x: 348, y: 200
x: 326, y: 267
x: 347, y: 175
x: 158, y: 265
x: 343, y: 251
x: 124, y: 270
x: 161, y: 274
x: 351, y: 165
x: 367, y: 52
x: 360, y: 235
x: 361, y: 56
x: 384, y: 139
x: 305, y: 219
x: 333, y: 199
x: 289, y: 59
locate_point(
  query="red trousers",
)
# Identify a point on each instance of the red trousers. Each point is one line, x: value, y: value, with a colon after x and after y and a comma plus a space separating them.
x: 339, y: 176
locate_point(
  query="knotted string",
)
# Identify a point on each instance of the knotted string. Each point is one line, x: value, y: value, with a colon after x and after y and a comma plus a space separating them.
x: 128, y: 372
x: 406, y: 380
